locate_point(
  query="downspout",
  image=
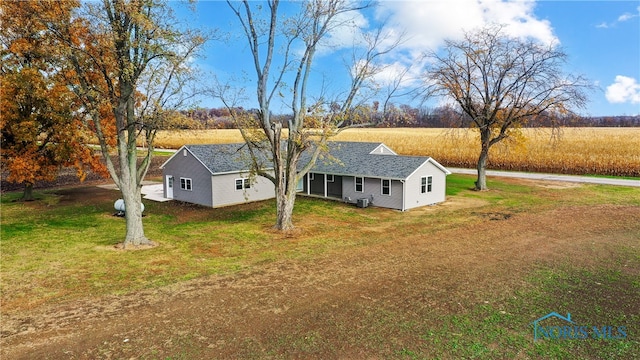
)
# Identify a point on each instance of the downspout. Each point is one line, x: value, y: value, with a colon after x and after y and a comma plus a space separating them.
x: 308, y: 184
x: 404, y: 193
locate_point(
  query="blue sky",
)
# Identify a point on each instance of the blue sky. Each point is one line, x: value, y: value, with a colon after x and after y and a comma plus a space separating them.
x: 602, y: 39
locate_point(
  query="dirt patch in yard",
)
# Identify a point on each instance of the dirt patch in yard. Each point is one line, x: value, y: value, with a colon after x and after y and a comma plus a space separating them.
x: 548, y: 184
x: 324, y: 306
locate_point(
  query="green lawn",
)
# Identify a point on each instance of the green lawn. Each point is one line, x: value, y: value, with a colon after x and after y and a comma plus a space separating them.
x: 61, y: 248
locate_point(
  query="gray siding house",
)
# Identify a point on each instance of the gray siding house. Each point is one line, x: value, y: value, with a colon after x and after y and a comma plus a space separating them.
x: 355, y: 172
x: 374, y: 172
x: 213, y: 175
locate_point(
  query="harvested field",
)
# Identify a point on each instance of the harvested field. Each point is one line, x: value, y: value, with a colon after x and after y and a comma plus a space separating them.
x: 580, y: 151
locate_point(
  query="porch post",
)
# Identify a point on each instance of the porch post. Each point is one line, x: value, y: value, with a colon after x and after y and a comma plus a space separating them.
x: 325, y: 185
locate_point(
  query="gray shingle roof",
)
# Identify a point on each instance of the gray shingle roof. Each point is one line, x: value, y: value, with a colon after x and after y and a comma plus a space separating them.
x: 222, y: 158
x: 346, y: 158
x: 355, y: 160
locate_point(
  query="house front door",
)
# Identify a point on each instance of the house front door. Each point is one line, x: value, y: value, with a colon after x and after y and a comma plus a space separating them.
x: 169, y: 186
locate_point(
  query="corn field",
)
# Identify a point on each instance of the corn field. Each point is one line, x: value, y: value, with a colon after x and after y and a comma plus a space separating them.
x: 597, y: 151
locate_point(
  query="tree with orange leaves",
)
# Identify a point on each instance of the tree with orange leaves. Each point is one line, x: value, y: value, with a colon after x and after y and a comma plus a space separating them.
x: 40, y: 127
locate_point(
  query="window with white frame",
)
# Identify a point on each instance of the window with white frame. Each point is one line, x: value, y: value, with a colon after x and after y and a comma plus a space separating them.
x: 330, y: 178
x: 426, y: 184
x: 359, y: 184
x: 243, y: 184
x: 185, y: 184
x: 386, y: 187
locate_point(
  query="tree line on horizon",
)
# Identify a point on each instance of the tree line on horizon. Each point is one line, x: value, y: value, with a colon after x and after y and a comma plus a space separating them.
x: 402, y: 115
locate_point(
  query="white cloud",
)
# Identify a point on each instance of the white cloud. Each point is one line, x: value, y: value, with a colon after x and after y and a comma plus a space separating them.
x: 429, y: 23
x: 623, y: 90
x: 625, y: 17
x: 629, y: 16
x: 398, y: 72
x: 622, y: 18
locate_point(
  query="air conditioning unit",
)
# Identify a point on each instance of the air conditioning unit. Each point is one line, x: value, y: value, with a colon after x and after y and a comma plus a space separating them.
x: 363, y: 203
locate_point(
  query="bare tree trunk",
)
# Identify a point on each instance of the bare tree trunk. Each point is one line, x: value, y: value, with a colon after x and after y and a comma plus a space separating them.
x: 130, y: 187
x: 481, y: 182
x: 285, y: 201
x: 285, y: 185
x: 27, y: 195
x: 133, y: 214
x: 128, y: 181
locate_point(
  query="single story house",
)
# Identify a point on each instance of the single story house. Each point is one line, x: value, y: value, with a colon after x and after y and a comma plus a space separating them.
x: 362, y: 173
x: 213, y: 175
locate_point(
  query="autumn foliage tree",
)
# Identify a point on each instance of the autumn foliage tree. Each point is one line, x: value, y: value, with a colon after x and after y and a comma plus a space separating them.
x: 130, y: 67
x: 40, y: 126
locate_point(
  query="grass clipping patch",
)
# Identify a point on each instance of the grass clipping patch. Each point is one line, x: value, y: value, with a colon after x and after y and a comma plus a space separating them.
x: 121, y: 246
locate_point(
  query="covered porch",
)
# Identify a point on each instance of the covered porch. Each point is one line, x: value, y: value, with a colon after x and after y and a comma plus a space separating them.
x: 322, y: 185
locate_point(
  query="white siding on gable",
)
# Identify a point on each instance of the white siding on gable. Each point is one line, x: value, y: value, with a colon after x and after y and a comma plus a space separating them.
x: 414, y: 184
x: 383, y: 149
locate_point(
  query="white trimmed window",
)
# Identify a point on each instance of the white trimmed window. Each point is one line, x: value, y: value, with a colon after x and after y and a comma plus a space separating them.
x: 330, y: 178
x: 243, y: 184
x: 185, y: 184
x: 359, y: 184
x: 386, y: 186
x: 427, y: 184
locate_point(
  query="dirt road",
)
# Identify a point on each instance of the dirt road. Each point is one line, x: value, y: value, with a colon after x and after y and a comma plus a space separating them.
x: 552, y: 177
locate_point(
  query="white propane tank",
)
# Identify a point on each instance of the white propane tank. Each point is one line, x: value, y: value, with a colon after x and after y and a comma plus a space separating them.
x: 119, y: 206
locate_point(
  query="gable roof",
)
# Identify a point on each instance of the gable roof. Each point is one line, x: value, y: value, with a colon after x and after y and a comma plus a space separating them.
x: 218, y: 158
x: 368, y: 159
x: 362, y: 159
